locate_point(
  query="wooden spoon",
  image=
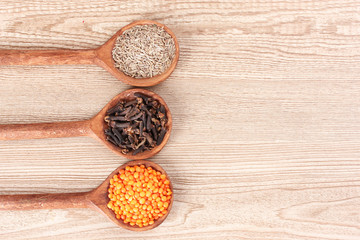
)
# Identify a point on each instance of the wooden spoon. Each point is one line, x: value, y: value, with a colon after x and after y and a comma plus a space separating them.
x: 101, y: 56
x: 93, y: 127
x: 96, y: 199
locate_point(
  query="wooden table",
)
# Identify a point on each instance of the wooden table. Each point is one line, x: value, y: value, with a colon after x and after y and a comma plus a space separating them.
x: 266, y: 109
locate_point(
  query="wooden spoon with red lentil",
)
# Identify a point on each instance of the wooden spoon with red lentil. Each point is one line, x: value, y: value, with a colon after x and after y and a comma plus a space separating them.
x: 137, y: 196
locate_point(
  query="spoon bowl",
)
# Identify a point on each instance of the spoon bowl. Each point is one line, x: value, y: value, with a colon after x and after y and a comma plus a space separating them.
x: 93, y: 127
x: 99, y: 196
x: 96, y: 199
x: 98, y: 125
x: 101, y: 56
x: 105, y: 59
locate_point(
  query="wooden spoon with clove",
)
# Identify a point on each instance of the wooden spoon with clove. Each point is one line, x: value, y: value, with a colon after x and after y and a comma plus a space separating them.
x: 101, y: 56
x: 96, y: 199
x: 94, y: 127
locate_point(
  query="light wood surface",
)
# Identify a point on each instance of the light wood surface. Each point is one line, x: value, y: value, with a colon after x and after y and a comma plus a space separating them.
x: 266, y: 118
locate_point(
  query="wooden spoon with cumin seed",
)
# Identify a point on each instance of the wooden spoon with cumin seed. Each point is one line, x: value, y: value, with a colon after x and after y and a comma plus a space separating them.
x: 101, y: 56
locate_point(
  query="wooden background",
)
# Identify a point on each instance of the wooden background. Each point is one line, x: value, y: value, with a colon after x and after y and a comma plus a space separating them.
x: 266, y: 109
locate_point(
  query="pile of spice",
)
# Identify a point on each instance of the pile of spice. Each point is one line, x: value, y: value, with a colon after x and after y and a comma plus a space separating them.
x: 136, y: 125
x: 144, y: 51
x: 139, y: 195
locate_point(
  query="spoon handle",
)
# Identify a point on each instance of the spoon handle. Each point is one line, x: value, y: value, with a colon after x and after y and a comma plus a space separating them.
x: 44, y: 130
x: 47, y: 57
x: 44, y: 201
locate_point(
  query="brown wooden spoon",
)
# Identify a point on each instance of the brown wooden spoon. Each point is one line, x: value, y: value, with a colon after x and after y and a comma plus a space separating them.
x: 93, y: 127
x: 101, y: 56
x: 96, y: 199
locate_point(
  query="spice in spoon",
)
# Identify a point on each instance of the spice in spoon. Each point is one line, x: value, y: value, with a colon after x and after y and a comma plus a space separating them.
x: 139, y: 195
x: 136, y: 125
x: 144, y: 51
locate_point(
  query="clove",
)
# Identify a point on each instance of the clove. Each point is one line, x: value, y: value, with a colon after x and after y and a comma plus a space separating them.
x: 136, y: 125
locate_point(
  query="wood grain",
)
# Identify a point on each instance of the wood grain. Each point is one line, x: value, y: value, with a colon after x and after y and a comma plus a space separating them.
x: 47, y: 57
x: 266, y: 118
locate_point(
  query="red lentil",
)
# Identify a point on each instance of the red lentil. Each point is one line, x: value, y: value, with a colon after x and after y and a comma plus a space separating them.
x: 139, y: 195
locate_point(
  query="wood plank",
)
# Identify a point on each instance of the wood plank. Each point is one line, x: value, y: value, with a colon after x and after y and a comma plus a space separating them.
x: 266, y: 134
